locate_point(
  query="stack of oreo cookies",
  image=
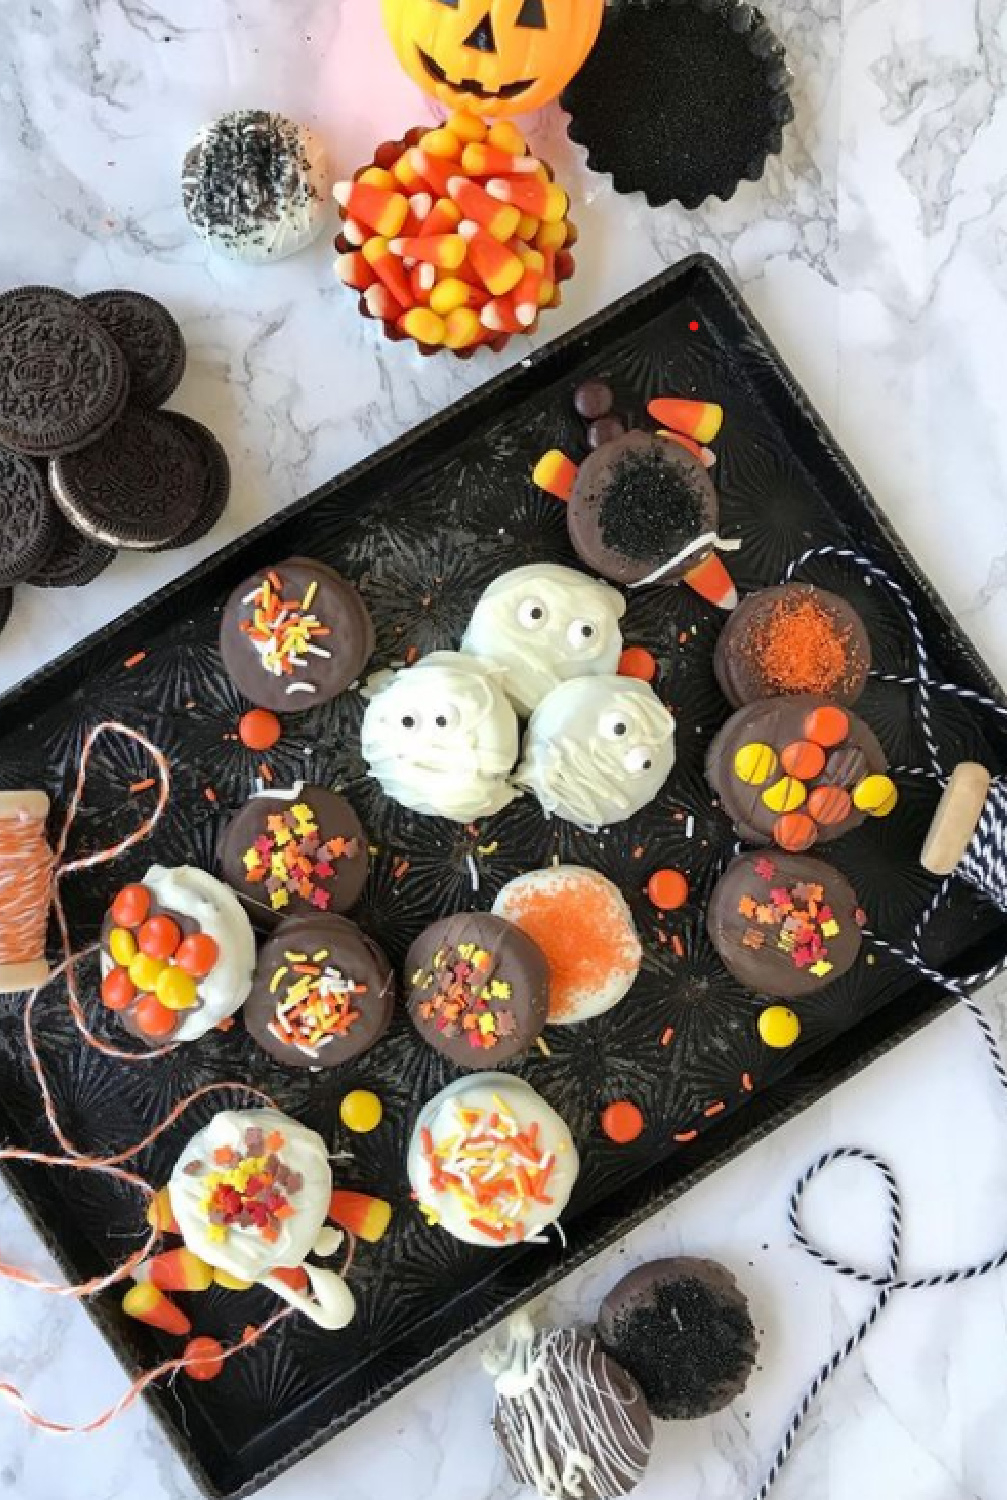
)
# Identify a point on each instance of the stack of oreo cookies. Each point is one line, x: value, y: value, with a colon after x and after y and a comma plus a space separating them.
x: 89, y: 463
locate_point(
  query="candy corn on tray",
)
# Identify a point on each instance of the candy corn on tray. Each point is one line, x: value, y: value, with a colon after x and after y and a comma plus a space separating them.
x: 422, y: 528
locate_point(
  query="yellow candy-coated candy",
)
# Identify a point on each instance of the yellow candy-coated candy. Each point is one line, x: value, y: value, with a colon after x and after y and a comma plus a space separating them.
x: 755, y: 763
x: 145, y: 971
x: 785, y: 795
x: 505, y: 136
x: 468, y: 127
x: 229, y: 1282
x: 122, y: 946
x: 176, y: 989
x: 876, y: 795
x: 779, y: 1027
x: 361, y: 1111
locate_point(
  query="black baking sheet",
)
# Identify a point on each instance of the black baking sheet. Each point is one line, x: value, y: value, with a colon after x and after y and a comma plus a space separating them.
x: 421, y: 528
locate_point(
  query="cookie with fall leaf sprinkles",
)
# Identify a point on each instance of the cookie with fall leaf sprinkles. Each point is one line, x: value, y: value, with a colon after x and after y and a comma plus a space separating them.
x: 295, y: 635
x: 323, y: 993
x: 477, y: 989
x: 290, y: 853
x: 784, y: 924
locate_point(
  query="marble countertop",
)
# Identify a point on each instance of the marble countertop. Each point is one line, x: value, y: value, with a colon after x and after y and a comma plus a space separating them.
x: 874, y: 253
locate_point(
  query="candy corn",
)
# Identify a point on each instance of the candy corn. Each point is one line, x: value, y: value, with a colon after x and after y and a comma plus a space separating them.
x: 406, y: 173
x: 180, y: 1271
x: 468, y: 127
x: 160, y: 1215
x: 528, y: 289
x: 452, y: 293
x: 500, y: 316
x: 552, y: 236
x: 498, y: 219
x: 228, y: 1282
x: 497, y: 267
x: 147, y: 1304
x: 420, y: 208
x: 433, y: 171
x: 382, y: 210
x: 423, y: 325
x: 353, y: 270
x: 712, y: 581
x: 556, y: 474
x: 462, y: 329
x: 389, y: 269
x: 381, y: 304
x: 683, y: 442
x: 505, y: 136
x: 699, y: 420
x: 354, y: 232
x: 362, y: 1215
x: 378, y: 177
x: 445, y: 251
x: 530, y: 195
x: 482, y: 160
x: 443, y: 143
x: 422, y: 280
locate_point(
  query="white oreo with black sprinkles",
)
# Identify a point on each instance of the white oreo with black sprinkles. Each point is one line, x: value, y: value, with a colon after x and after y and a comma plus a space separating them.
x: 256, y: 186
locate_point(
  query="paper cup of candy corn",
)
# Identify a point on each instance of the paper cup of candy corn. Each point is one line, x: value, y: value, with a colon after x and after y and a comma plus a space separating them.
x: 455, y: 238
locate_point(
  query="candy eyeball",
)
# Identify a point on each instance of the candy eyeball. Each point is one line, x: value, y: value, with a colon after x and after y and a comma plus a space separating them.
x: 546, y: 624
x: 442, y: 738
x: 597, y: 750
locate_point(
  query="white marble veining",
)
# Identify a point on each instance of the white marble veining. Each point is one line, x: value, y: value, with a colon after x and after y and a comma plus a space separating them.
x: 874, y: 252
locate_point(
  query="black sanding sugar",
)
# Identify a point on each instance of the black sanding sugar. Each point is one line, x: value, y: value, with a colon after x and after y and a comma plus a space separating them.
x: 650, y: 510
x: 689, y: 1346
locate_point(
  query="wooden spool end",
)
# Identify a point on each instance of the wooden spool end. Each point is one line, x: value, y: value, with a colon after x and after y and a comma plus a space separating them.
x: 956, y: 818
x: 24, y: 805
x: 28, y: 976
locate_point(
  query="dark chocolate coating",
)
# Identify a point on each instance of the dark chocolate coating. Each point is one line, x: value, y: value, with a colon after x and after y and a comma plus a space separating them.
x: 778, y: 722
x: 772, y: 969
x: 336, y: 819
x: 356, y: 957
x: 581, y: 1402
x: 636, y: 502
x: 515, y: 961
x: 743, y: 677
x: 336, y: 604
x: 683, y: 1330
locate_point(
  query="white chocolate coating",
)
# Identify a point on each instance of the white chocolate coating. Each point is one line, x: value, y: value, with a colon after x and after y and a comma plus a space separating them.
x: 546, y: 624
x: 551, y: 902
x: 442, y: 738
x: 245, y: 1253
x: 597, y: 750
x: 485, y: 1091
x: 214, y: 906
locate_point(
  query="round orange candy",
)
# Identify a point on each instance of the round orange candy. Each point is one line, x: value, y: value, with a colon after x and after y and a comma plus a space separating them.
x: 204, y: 1358
x: 829, y: 805
x: 155, y: 1019
x: 622, y: 1122
x: 159, y: 937
x: 259, y: 729
x: 795, y: 832
x: 668, y: 889
x: 117, y: 989
x: 803, y: 759
x: 130, y: 907
x: 197, y: 954
x: 828, y: 725
x: 636, y: 661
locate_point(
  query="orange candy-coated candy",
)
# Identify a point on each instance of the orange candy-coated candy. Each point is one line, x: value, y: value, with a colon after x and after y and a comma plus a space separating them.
x: 795, y: 832
x: 204, y: 1358
x: 197, y: 954
x: 259, y: 729
x: 827, y: 725
x: 155, y: 1019
x: 159, y: 937
x: 636, y: 661
x: 117, y: 990
x: 668, y: 889
x: 803, y: 759
x: 830, y: 804
x: 131, y: 905
x: 622, y: 1122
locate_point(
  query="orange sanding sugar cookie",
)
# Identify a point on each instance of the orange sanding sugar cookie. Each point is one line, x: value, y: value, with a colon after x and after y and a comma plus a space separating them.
x: 585, y: 929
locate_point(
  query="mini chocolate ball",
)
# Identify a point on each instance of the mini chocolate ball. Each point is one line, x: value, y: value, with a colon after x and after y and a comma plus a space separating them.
x: 605, y: 430
x: 593, y: 399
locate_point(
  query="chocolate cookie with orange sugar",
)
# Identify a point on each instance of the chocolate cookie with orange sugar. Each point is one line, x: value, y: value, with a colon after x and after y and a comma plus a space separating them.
x: 795, y: 638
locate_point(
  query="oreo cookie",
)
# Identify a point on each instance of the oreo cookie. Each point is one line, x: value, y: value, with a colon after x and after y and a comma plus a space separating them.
x: 75, y: 560
x: 149, y: 338
x: 63, y: 380
x: 6, y: 605
x: 28, y: 530
x: 216, y: 478
x: 143, y: 486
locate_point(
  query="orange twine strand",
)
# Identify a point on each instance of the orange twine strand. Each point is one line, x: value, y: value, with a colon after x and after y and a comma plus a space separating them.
x: 26, y: 870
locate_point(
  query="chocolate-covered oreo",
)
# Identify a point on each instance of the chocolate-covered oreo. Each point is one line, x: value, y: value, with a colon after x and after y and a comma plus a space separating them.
x: 683, y: 1330
x: 63, y: 380
x: 142, y: 486
x: 792, y: 639
x: 150, y: 339
x: 787, y: 770
x: 477, y: 989
x: 295, y: 635
x: 637, y: 504
x: 29, y: 527
x: 784, y: 924
x: 323, y: 993
x: 294, y: 853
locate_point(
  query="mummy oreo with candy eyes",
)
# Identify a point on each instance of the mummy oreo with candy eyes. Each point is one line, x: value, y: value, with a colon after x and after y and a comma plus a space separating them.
x: 597, y: 750
x: 441, y: 737
x: 546, y: 624
x: 295, y: 635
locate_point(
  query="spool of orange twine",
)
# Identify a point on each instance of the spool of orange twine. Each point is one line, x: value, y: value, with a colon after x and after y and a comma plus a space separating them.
x: 26, y: 875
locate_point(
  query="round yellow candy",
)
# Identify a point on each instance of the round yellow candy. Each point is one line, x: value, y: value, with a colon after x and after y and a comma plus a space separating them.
x: 176, y: 989
x: 785, y: 795
x: 779, y: 1027
x: 146, y: 971
x: 755, y: 763
x: 361, y: 1111
x: 876, y: 795
x: 122, y: 946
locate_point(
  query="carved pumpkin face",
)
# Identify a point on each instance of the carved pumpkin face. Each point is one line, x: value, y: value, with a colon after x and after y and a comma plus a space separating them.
x: 493, y: 57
